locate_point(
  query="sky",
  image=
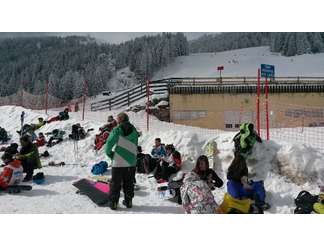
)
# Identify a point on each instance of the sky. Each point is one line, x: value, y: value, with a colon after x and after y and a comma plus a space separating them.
x: 111, y: 37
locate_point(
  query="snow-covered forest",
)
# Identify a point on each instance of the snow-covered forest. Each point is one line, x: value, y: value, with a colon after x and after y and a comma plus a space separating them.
x: 67, y: 61
x: 286, y: 43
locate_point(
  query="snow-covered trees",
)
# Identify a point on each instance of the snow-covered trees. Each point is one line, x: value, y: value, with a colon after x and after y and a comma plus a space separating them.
x: 67, y: 62
x: 286, y: 43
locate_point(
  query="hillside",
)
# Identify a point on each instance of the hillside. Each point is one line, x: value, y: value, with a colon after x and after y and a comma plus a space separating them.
x: 243, y: 62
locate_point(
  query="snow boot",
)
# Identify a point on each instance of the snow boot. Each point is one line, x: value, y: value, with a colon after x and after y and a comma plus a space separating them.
x: 113, y: 205
x: 128, y: 203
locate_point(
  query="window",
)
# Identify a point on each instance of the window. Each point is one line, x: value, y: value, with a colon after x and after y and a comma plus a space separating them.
x: 189, y: 115
x: 228, y: 126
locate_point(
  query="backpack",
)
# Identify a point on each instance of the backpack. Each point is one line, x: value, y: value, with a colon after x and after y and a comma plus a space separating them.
x: 3, y: 135
x: 304, y: 202
x: 78, y: 132
x: 99, y: 168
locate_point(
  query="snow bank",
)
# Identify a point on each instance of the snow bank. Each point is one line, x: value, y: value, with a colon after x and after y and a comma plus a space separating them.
x: 274, y: 162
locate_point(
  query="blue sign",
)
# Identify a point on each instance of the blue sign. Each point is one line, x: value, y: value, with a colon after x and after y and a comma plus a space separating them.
x: 267, y: 70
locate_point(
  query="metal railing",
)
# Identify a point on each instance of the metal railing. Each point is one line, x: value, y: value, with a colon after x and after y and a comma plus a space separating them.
x: 162, y: 86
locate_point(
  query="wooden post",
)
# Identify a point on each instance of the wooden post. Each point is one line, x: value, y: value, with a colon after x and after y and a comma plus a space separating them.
x: 85, y: 89
x: 147, y: 105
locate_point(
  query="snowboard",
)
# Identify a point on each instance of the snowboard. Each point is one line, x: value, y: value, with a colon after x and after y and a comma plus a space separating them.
x: 94, y: 191
x: 106, y: 179
x: 15, y: 189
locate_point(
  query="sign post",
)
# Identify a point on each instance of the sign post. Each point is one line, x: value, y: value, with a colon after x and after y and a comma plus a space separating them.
x: 220, y: 69
x: 267, y: 71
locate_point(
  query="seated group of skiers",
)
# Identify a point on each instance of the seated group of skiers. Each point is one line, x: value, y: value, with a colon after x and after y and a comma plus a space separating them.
x: 243, y: 195
x: 26, y: 160
x: 164, y: 161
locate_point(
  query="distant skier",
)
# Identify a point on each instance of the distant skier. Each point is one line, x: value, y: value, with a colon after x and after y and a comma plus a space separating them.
x: 245, y: 139
x: 124, y: 140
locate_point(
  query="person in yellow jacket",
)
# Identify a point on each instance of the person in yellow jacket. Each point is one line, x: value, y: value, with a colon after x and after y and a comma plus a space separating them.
x: 29, y: 157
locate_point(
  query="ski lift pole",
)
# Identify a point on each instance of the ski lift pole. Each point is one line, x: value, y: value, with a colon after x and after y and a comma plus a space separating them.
x: 46, y: 96
x: 267, y: 106
x: 258, y: 103
x: 147, y: 105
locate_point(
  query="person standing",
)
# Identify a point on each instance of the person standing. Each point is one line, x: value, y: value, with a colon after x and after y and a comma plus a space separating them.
x: 124, y: 140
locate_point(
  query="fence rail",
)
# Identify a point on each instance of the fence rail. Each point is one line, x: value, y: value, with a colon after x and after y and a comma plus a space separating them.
x: 220, y: 84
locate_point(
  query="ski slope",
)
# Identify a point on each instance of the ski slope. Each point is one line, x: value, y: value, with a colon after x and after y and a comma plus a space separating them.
x: 277, y: 162
x: 242, y: 62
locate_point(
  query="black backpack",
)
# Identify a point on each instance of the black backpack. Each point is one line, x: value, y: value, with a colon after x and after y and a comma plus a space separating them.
x: 304, y: 202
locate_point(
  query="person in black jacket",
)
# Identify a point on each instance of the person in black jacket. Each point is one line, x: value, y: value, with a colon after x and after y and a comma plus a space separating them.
x: 207, y: 174
x: 239, y: 186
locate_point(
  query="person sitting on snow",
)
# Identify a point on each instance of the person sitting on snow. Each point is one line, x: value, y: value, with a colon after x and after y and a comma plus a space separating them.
x: 158, y: 150
x: 63, y: 115
x: 207, y: 174
x: 41, y: 122
x: 29, y: 157
x: 102, y: 137
x: 238, y: 185
x: 11, y: 149
x: 196, y: 196
x: 170, y: 164
x: 245, y: 139
x: 12, y: 173
x: 41, y: 140
x: 57, y: 137
x: 111, y: 123
x: 3, y: 135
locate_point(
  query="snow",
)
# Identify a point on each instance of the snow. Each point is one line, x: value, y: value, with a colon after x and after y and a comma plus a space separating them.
x: 276, y: 162
x: 242, y: 62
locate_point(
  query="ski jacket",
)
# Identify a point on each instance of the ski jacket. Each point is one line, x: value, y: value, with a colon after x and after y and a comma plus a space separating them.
x: 158, y: 151
x: 174, y: 160
x: 196, y: 195
x: 124, y: 140
x: 63, y: 115
x: 41, y: 141
x: 237, y: 171
x: 3, y: 135
x: 30, y: 152
x: 12, y: 174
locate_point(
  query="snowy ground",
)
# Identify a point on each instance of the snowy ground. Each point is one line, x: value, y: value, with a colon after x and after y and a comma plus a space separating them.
x: 242, y: 62
x: 285, y: 167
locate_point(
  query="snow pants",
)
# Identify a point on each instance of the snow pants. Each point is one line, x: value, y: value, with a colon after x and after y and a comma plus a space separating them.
x: 28, y: 167
x: 53, y: 119
x: 236, y: 190
x: 164, y: 171
x: 122, y: 177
